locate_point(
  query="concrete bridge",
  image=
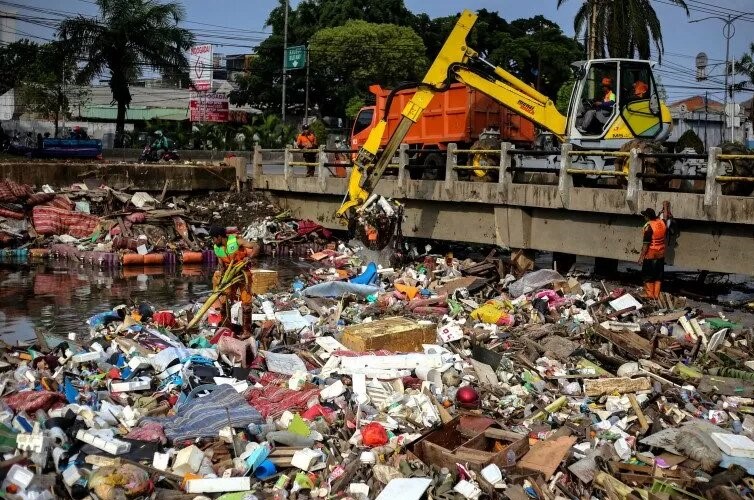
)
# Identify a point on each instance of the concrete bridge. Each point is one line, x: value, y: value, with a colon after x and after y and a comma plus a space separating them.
x: 716, y: 231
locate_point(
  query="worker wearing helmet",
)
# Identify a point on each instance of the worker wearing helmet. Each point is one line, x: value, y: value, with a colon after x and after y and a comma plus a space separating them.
x: 160, y: 144
x: 307, y: 140
x: 640, y: 90
x: 603, y: 109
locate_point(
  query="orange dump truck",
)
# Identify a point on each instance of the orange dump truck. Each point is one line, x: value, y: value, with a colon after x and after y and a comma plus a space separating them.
x: 460, y: 115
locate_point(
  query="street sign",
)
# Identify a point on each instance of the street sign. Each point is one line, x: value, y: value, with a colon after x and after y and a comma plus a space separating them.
x: 295, y: 57
x: 208, y: 107
x: 200, y: 67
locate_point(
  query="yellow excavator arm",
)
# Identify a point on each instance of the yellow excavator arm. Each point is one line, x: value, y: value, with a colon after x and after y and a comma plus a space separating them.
x: 456, y: 61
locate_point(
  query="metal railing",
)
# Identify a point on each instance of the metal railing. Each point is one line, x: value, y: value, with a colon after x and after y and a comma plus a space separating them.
x: 633, y: 176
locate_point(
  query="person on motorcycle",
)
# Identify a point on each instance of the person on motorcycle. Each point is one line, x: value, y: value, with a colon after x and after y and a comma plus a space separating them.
x: 160, y: 145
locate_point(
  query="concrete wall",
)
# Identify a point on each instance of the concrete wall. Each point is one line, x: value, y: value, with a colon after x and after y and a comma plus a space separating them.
x: 122, y: 176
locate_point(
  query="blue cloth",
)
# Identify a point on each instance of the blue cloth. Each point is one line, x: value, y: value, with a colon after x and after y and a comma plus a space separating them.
x: 204, y: 417
x: 368, y: 277
x: 338, y: 289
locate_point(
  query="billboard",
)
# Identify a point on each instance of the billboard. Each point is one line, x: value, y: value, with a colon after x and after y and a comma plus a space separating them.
x: 208, y: 107
x: 200, y: 67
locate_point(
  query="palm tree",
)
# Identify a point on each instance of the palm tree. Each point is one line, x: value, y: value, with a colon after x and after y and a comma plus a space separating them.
x: 128, y: 37
x: 745, y: 67
x: 622, y: 28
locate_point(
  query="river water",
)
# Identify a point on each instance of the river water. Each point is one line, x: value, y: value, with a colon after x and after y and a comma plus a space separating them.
x: 57, y: 298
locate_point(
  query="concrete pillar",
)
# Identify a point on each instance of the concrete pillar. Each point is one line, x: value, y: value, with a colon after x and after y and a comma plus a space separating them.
x: 565, y: 181
x: 605, y: 267
x: 712, y: 189
x: 451, y: 174
x: 321, y: 168
x: 562, y: 262
x: 634, y: 182
x: 402, y: 166
x: 287, y: 160
x: 256, y: 163
x: 505, y: 178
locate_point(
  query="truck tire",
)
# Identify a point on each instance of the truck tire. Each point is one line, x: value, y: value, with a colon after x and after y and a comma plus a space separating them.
x: 650, y: 165
x: 741, y: 168
x: 434, y: 167
x: 485, y: 160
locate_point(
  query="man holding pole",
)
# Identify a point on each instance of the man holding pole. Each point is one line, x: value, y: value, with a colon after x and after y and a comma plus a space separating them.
x: 231, y: 251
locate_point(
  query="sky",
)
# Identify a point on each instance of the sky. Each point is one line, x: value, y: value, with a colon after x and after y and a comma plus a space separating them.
x: 243, y: 21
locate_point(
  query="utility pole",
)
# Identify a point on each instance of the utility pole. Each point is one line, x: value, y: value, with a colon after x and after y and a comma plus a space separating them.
x: 729, y: 30
x: 306, y: 99
x: 285, y: 53
x: 592, y: 50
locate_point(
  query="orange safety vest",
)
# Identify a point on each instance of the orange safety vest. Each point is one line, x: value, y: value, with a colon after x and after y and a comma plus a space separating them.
x: 657, y: 245
x: 306, y: 141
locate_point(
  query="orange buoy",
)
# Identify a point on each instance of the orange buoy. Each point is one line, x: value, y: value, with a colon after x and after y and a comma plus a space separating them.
x: 154, y: 259
x: 191, y: 257
x: 132, y: 259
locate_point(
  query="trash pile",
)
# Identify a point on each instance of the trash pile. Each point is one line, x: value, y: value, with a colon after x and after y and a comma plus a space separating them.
x: 444, y: 378
x: 100, y: 226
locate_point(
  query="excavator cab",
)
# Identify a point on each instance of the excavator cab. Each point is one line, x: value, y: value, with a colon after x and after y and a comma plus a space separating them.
x: 613, y: 101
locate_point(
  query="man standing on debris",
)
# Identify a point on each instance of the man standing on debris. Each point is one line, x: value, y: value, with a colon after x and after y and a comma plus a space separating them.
x: 229, y: 249
x: 307, y: 140
x: 652, y: 256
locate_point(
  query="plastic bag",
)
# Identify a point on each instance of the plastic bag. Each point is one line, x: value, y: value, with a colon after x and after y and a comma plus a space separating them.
x: 534, y: 281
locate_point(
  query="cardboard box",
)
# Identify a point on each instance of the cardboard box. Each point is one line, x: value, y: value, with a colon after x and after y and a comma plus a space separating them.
x: 263, y: 280
x: 476, y: 441
x: 394, y: 334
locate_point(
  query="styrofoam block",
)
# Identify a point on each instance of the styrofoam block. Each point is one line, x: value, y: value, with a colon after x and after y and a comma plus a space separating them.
x: 84, y: 357
x: 108, y: 444
x: 188, y: 460
x: 218, y: 485
x: 135, y: 385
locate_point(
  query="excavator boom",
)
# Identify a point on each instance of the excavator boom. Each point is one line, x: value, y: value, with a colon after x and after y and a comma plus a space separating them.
x: 455, y: 61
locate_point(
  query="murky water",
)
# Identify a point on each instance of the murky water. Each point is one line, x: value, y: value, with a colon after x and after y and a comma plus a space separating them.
x: 58, y: 298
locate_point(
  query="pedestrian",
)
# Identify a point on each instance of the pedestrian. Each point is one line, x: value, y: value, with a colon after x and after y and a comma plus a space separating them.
x: 307, y: 140
x: 652, y: 256
x: 229, y: 249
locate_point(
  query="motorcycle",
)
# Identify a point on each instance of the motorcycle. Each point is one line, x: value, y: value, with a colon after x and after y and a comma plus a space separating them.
x: 151, y: 155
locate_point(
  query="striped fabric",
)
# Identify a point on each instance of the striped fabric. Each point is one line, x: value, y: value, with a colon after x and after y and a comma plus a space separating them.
x: 204, y: 417
x: 51, y: 220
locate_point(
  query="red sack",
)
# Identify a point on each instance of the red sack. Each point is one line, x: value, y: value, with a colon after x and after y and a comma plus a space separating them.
x: 373, y: 435
x: 164, y: 318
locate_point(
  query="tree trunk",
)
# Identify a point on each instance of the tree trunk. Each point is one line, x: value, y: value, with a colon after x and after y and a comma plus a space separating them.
x: 120, y: 125
x: 57, y: 119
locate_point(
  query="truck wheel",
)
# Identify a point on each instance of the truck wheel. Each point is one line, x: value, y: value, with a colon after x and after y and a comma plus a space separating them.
x: 740, y: 168
x: 485, y: 160
x: 434, y: 167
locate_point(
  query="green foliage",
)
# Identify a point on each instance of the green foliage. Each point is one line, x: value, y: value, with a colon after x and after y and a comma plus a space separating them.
x: 354, y: 105
x: 623, y: 28
x: 564, y: 96
x: 689, y: 139
x: 46, y: 83
x: 127, y: 37
x: 320, y: 131
x: 17, y: 63
x: 388, y: 54
x: 269, y: 132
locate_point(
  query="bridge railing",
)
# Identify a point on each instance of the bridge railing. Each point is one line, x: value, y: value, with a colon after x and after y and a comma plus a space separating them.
x: 336, y: 162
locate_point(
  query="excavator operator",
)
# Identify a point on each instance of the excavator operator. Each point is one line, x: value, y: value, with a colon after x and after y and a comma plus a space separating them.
x: 602, y: 109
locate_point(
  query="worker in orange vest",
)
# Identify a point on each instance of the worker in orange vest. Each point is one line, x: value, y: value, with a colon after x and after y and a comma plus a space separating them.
x: 307, y: 140
x: 652, y: 256
x: 229, y: 249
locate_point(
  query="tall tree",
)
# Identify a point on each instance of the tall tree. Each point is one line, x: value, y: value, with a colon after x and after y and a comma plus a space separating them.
x: 47, y: 84
x: 745, y: 67
x: 389, y: 54
x: 621, y: 28
x: 16, y: 62
x: 128, y: 37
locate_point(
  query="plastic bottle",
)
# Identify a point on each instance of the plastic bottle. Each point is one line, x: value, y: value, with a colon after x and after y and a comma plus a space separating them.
x: 510, y: 458
x: 290, y: 439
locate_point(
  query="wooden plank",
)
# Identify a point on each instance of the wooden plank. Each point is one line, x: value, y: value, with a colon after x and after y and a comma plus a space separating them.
x: 621, y: 385
x: 639, y: 414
